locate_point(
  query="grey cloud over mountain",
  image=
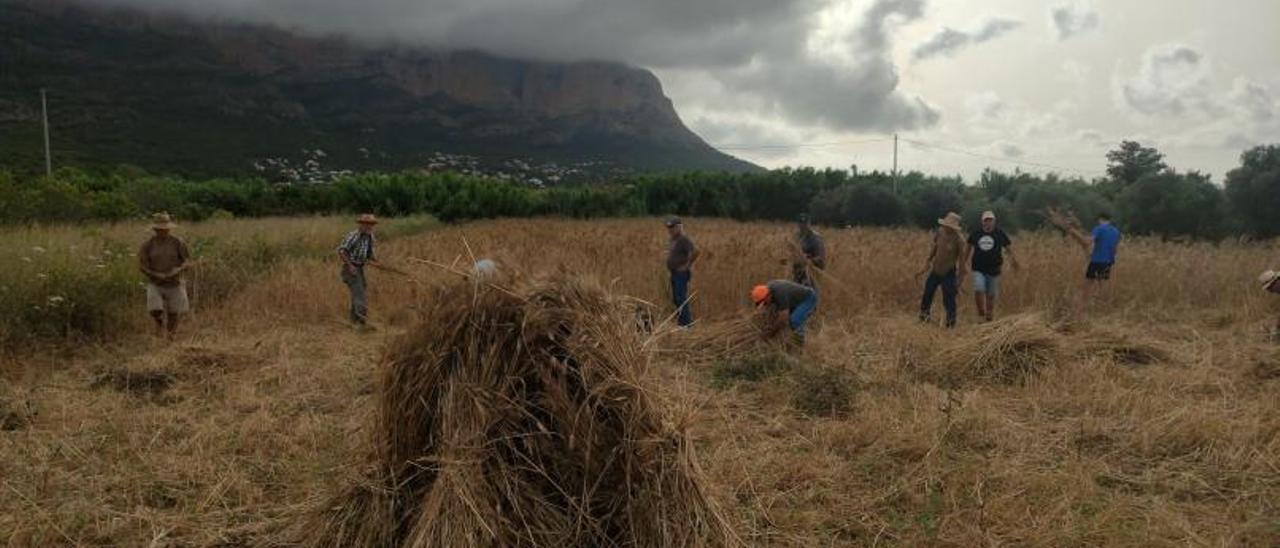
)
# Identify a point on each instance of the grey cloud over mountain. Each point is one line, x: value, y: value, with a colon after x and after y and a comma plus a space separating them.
x: 948, y: 41
x: 756, y: 47
x: 1071, y: 20
x: 861, y: 95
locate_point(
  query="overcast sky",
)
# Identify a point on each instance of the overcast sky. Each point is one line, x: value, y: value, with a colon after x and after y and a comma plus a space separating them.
x: 965, y: 83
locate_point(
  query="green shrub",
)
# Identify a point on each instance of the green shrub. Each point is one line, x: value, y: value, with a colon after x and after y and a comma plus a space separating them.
x: 751, y: 369
x: 61, y: 294
x: 823, y: 391
x: 88, y: 287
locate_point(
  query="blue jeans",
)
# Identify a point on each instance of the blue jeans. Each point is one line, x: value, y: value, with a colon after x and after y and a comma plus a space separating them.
x: 800, y: 314
x: 948, y: 283
x: 680, y: 296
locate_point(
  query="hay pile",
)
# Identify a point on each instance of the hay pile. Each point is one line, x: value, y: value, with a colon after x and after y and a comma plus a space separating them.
x: 1122, y: 349
x: 750, y: 335
x: 1004, y: 351
x: 515, y: 416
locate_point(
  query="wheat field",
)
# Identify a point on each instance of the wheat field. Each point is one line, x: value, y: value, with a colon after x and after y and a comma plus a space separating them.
x: 1150, y: 421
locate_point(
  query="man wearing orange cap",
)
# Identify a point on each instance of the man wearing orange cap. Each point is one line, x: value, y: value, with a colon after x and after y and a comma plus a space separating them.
x: 356, y: 251
x: 783, y: 297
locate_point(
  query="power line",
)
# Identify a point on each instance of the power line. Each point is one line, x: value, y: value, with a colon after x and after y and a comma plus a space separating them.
x: 1041, y: 165
x: 920, y: 144
x: 801, y: 145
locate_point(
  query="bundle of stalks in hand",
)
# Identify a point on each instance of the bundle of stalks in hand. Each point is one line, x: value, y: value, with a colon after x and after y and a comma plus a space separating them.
x: 747, y: 335
x: 1063, y: 220
x: 1003, y: 351
x: 514, y: 414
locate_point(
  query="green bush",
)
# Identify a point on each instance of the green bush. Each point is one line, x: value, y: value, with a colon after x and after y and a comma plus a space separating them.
x: 1253, y: 190
x: 823, y: 391
x: 60, y: 294
x: 861, y: 204
x: 751, y: 368
x: 1173, y: 204
x: 89, y: 288
x: 832, y: 196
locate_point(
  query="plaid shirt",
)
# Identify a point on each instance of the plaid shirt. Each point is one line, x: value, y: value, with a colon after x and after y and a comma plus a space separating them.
x: 358, y: 247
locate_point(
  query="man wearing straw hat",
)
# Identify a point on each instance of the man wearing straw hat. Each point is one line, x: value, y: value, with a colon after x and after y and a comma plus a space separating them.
x: 987, y: 246
x: 944, y: 267
x: 681, y: 254
x: 163, y: 258
x: 356, y: 251
x: 787, y: 299
x: 1270, y: 281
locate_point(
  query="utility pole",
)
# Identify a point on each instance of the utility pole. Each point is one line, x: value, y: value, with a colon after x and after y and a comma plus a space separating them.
x: 895, y: 163
x: 44, y: 113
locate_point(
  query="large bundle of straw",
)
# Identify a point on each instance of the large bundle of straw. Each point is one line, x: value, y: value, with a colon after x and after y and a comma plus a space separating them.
x: 745, y: 336
x: 515, y: 416
x: 1003, y: 351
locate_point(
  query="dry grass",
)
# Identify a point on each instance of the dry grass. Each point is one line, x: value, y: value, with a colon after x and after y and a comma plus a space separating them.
x: 1153, y: 424
x: 514, y: 414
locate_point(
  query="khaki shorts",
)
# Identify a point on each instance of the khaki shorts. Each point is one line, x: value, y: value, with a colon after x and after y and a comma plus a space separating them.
x: 172, y: 300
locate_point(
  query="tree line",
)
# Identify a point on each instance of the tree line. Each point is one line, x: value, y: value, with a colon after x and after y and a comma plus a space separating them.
x: 1143, y: 193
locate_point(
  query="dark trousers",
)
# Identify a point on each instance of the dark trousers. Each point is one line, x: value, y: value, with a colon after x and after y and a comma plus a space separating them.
x: 948, y: 283
x: 359, y: 298
x: 680, y: 296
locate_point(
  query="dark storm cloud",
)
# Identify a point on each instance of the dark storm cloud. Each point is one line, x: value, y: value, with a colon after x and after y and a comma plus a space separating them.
x: 757, y: 47
x: 861, y: 96
x: 652, y: 33
x: 949, y: 41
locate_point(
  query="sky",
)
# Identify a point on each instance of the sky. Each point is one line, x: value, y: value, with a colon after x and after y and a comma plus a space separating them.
x: 1036, y: 85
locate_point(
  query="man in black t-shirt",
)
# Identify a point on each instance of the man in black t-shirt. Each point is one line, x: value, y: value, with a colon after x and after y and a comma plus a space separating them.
x: 986, y: 250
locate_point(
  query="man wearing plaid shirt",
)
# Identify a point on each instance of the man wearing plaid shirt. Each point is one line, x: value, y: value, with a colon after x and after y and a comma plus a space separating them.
x: 356, y: 251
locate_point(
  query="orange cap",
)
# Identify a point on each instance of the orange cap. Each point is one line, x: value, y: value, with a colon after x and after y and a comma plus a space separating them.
x: 759, y: 293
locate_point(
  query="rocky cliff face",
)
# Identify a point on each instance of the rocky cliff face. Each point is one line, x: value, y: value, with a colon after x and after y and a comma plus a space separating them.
x: 166, y: 93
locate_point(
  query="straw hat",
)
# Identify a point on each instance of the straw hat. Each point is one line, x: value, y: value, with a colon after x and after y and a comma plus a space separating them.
x: 367, y: 219
x: 952, y: 221
x: 1267, y: 278
x: 162, y: 221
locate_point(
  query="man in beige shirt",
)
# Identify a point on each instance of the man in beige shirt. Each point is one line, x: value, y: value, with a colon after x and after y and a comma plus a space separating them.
x: 944, y: 267
x: 1270, y: 281
x: 162, y: 259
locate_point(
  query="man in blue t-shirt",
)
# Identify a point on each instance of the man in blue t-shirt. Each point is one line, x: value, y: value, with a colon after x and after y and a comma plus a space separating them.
x: 1101, y: 246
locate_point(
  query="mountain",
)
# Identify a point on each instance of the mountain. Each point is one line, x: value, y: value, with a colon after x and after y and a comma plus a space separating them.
x: 204, y: 99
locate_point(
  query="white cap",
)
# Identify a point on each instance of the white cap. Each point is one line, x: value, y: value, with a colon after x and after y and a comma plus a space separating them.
x: 1268, y: 277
